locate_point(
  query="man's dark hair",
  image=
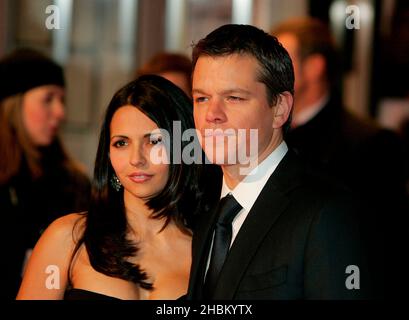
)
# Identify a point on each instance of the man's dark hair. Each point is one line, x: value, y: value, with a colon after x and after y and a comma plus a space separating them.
x: 275, y: 65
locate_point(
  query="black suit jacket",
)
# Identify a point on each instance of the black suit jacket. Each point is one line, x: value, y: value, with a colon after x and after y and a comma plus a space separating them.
x: 296, y: 242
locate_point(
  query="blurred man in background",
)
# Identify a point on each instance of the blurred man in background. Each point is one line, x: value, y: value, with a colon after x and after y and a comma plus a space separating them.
x: 175, y: 67
x: 365, y: 158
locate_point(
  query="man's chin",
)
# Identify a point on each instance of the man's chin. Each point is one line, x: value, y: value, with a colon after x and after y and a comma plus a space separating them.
x: 215, y: 156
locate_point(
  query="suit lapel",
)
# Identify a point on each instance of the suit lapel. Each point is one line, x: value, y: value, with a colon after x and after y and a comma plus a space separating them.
x: 268, y: 207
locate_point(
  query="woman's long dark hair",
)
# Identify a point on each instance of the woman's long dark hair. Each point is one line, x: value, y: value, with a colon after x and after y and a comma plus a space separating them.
x: 106, y: 227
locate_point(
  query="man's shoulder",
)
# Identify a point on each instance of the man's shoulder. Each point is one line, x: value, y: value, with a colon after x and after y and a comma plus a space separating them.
x: 299, y: 171
x: 300, y: 179
x: 316, y: 198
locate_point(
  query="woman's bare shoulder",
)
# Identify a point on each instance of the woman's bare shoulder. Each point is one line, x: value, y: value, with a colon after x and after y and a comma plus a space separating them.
x: 54, y: 249
x: 69, y: 227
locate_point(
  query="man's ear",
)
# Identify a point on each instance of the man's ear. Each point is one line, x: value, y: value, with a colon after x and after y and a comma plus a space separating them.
x: 282, y: 110
x: 314, y: 67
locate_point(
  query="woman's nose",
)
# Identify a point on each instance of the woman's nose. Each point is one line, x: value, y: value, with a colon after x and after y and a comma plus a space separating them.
x: 58, y: 110
x: 137, y: 157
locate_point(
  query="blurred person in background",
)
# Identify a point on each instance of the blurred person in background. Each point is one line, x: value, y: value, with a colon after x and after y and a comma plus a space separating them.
x: 391, y: 87
x: 38, y: 180
x: 367, y: 159
x: 175, y: 67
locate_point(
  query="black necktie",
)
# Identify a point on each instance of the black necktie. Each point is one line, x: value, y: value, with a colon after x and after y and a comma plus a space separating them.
x: 227, y: 210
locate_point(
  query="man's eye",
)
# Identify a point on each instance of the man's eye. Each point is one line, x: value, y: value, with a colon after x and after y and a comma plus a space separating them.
x: 200, y: 99
x: 120, y: 143
x: 234, y: 98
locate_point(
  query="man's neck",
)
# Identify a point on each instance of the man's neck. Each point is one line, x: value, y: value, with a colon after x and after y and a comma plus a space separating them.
x: 233, y: 174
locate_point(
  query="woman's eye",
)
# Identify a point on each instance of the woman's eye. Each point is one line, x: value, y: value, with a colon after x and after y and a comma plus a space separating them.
x: 155, y: 140
x: 120, y: 143
x: 48, y: 98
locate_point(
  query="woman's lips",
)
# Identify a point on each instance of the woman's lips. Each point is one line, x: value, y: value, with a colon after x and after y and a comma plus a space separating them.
x: 140, y: 177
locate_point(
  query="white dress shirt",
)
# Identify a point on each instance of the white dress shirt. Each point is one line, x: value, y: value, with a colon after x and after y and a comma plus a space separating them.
x: 248, y: 190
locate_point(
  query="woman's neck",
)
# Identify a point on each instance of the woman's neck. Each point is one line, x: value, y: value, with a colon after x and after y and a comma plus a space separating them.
x: 139, y: 217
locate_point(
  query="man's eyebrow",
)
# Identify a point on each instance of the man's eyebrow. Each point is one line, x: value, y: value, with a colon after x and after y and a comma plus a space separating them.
x: 236, y: 90
x: 199, y: 91
x: 224, y: 92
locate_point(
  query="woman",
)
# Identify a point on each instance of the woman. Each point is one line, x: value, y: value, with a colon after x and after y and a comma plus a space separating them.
x: 38, y: 180
x: 135, y: 241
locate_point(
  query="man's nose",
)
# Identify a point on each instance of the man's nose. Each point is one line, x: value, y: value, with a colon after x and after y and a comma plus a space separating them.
x: 215, y: 112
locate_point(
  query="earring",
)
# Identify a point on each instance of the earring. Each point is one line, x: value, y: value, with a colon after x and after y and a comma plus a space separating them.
x: 115, y: 183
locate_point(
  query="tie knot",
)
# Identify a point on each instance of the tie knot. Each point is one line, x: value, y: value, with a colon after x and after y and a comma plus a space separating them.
x: 228, y: 209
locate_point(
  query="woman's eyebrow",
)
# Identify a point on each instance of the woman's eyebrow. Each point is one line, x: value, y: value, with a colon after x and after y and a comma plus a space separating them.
x: 119, y: 136
x: 146, y: 135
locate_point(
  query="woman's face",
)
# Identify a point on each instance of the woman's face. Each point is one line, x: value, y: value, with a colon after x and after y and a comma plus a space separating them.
x: 43, y: 112
x: 133, y: 135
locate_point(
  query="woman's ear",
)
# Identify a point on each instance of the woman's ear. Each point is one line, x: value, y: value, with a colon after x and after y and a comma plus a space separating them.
x: 282, y: 110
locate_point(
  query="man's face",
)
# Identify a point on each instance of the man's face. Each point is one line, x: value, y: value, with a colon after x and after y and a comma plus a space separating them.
x: 227, y: 96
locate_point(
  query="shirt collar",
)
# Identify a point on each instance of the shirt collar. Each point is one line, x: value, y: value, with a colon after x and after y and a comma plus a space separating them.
x: 247, y: 191
x: 307, y: 114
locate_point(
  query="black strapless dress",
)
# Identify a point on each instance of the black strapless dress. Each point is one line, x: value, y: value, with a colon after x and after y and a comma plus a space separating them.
x: 81, y: 294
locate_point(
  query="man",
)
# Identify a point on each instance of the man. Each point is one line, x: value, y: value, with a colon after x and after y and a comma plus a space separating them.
x: 289, y: 233
x: 175, y: 67
x: 365, y: 158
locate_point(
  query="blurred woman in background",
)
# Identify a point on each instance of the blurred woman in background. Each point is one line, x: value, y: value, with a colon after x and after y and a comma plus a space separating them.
x: 38, y: 180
